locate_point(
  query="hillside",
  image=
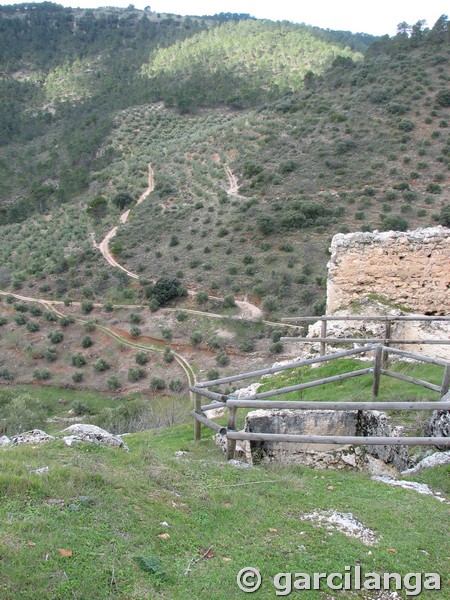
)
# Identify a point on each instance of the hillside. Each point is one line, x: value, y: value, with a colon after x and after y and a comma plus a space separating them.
x: 246, y: 200
x: 78, y: 529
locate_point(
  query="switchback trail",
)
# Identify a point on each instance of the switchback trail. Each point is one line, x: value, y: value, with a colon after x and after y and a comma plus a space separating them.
x: 247, y: 310
x: 104, y: 244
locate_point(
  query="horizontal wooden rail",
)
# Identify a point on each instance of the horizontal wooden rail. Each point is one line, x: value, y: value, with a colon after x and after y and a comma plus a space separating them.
x: 419, y: 357
x: 337, y: 439
x: 293, y: 365
x: 208, y: 423
x: 214, y: 396
x: 311, y: 384
x: 367, y: 318
x: 362, y: 340
x: 314, y: 405
x: 421, y: 382
x: 213, y: 406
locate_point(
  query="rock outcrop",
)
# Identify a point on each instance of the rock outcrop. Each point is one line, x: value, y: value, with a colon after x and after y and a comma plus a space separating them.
x: 35, y: 436
x: 387, y: 459
x: 91, y: 433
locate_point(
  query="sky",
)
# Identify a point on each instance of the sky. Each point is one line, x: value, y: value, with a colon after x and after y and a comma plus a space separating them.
x: 377, y: 17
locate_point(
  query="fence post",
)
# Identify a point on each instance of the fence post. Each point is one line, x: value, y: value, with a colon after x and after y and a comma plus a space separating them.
x: 445, y: 381
x: 197, y: 424
x: 377, y: 371
x: 231, y: 444
x: 323, y: 334
x: 387, y: 336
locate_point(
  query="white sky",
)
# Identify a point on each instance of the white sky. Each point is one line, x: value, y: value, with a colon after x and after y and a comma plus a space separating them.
x: 376, y: 17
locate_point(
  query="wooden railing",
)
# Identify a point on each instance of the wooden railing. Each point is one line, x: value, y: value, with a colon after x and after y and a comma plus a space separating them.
x: 259, y: 400
x: 388, y: 320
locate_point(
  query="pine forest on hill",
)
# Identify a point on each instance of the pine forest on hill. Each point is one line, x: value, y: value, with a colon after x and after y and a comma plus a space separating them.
x: 318, y: 131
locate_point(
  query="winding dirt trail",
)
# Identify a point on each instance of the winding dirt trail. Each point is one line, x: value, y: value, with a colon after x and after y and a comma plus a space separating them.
x: 232, y: 182
x: 104, y: 244
x: 247, y: 310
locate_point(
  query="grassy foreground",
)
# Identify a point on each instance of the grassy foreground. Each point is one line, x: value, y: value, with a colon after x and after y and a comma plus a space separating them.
x: 76, y: 530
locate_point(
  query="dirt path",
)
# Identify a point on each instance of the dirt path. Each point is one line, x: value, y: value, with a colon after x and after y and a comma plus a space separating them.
x: 104, y: 244
x: 247, y: 310
x: 232, y: 182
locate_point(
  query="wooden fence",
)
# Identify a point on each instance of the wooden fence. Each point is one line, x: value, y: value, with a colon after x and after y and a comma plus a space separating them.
x: 386, y: 340
x: 232, y: 404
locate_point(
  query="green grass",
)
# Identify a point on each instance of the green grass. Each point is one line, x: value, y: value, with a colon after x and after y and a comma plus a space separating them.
x: 358, y: 388
x: 106, y: 506
x: 132, y: 412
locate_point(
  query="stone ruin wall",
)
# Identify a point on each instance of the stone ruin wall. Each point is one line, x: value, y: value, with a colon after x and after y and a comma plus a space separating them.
x: 410, y: 269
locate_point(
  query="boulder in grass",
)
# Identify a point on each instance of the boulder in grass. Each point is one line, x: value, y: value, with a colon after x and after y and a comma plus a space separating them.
x: 81, y: 432
x: 35, y: 436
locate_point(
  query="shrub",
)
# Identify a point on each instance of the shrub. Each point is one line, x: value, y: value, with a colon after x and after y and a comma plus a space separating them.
x: 201, y: 297
x: 141, y: 358
x: 97, y: 207
x: 113, y: 382
x: 270, y: 304
x: 229, y: 301
x: 56, y: 337
x: 21, y: 307
x: 135, y: 318
x: 50, y: 316
x: 276, y: 335
x: 212, y: 374
x: 78, y: 360
x: 156, y: 383
x: 50, y: 354
x: 77, y: 377
x: 108, y: 307
x: 444, y: 216
x: 153, y: 305
x: 86, y: 306
x: 168, y: 355
x: 86, y: 342
x: 222, y: 359
x: 165, y: 289
x: 176, y: 385
x: 6, y: 374
x: 20, y: 319
x: 247, y: 345
x: 35, y: 311
x: 122, y: 199
x: 32, y: 326
x: 434, y: 188
x: 135, y: 332
x: 395, y: 223
x: 402, y: 186
x: 443, y: 98
x: 79, y: 408
x: 90, y: 326
x: 42, y: 374
x: 276, y: 348
x: 101, y: 365
x: 181, y: 316
x: 23, y: 413
x: 266, y: 224
x: 196, y: 338
x: 3, y: 320
x: 136, y: 373
x: 167, y: 334
x: 406, y: 125
x: 65, y: 321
